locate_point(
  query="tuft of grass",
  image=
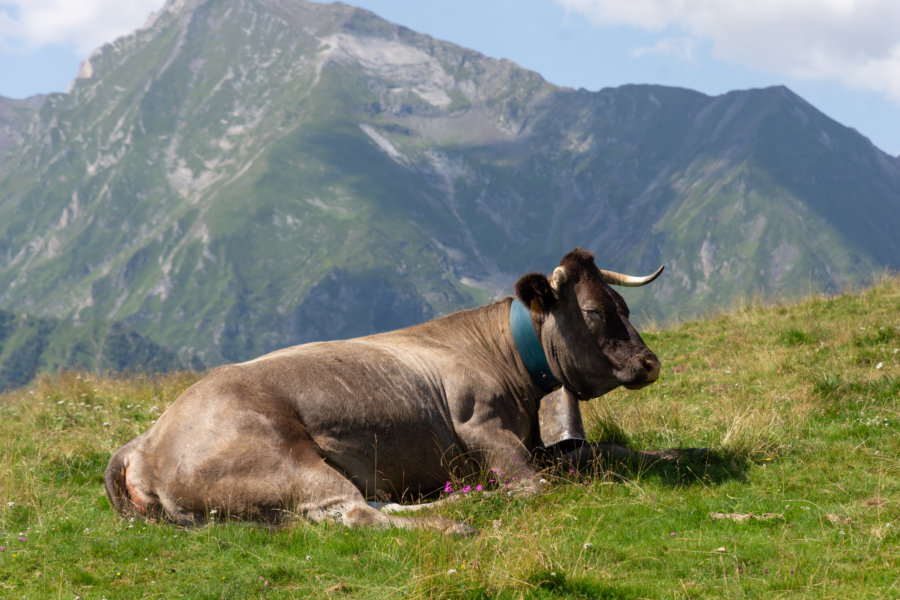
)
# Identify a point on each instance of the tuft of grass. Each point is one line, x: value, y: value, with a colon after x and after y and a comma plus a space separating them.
x: 798, y: 497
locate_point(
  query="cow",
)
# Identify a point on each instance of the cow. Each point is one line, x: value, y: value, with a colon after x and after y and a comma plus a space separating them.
x: 321, y: 429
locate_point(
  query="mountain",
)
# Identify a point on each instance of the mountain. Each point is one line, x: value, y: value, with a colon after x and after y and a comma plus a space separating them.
x: 240, y: 175
x: 15, y: 115
x: 29, y: 345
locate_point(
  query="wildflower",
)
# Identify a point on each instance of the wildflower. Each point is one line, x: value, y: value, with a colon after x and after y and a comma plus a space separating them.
x: 672, y: 534
x: 588, y: 545
x: 2, y: 548
x: 22, y: 538
x: 448, y: 489
x: 467, y: 489
x: 10, y: 504
x: 478, y: 488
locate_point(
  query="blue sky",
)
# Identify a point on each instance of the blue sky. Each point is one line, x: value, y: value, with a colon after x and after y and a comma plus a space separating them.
x: 843, y: 56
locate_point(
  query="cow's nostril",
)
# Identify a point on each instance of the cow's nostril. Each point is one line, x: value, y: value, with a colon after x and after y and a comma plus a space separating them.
x: 652, y: 368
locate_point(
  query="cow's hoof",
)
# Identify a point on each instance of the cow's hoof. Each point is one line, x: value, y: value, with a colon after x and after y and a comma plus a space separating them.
x: 460, y: 528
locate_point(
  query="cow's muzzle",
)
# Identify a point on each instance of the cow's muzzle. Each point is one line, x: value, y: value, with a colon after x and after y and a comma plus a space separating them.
x: 642, y: 370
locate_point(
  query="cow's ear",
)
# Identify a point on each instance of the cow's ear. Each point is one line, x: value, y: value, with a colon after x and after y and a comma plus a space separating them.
x: 535, y: 292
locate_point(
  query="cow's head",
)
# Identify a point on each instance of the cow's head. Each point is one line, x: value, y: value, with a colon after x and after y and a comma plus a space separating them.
x: 583, y: 327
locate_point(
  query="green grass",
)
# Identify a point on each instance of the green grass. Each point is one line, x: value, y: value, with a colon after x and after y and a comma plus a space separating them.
x: 800, y: 403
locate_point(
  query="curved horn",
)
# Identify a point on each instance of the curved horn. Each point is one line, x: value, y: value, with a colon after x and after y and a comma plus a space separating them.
x: 558, y: 278
x: 613, y: 278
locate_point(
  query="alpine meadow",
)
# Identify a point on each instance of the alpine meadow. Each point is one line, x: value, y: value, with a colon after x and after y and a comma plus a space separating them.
x: 800, y: 498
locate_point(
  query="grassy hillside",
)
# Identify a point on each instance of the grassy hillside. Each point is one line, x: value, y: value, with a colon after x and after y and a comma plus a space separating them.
x: 30, y: 345
x: 801, y: 500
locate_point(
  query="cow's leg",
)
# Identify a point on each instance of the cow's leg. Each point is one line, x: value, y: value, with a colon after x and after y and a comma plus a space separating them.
x: 393, y: 508
x: 327, y: 494
x: 511, y: 464
x: 324, y: 493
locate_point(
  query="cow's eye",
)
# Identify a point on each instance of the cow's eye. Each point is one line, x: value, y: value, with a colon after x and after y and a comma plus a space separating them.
x: 593, y: 314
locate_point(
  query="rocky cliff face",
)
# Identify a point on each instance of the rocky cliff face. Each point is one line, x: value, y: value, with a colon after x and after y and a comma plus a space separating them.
x: 240, y: 175
x: 15, y: 117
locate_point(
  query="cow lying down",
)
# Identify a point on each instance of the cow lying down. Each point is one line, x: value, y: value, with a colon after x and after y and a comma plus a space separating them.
x: 317, y: 429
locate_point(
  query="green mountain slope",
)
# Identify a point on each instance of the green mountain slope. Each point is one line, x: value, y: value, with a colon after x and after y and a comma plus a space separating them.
x: 29, y: 345
x: 239, y: 176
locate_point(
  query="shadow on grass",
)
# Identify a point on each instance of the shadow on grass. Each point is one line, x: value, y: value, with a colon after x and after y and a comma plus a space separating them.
x: 675, y: 466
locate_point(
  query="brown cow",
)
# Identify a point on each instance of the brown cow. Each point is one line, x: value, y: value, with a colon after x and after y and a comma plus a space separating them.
x: 317, y: 429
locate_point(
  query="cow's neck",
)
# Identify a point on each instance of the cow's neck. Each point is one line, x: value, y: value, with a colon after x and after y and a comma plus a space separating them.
x: 529, y: 347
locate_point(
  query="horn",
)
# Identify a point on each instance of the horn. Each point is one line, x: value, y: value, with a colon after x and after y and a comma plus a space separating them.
x: 558, y: 278
x: 613, y: 278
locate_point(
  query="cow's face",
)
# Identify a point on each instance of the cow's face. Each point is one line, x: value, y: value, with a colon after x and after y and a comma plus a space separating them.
x: 584, y: 328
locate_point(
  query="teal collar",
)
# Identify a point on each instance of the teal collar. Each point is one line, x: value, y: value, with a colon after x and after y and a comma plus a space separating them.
x: 529, y: 347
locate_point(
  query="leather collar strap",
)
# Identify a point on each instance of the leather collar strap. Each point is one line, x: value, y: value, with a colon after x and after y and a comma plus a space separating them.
x: 529, y: 347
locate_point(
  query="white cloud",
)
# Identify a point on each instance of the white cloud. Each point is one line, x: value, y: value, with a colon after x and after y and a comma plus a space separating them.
x: 681, y: 48
x: 83, y: 24
x: 853, y: 42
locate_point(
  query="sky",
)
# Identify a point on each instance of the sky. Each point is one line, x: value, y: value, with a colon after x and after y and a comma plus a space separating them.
x: 842, y: 56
